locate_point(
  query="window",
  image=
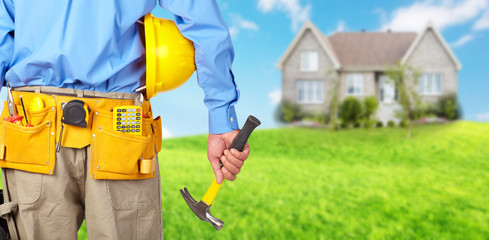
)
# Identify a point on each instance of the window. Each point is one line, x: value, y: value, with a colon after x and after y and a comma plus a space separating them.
x: 309, y: 61
x: 430, y: 84
x: 310, y: 91
x: 354, y: 84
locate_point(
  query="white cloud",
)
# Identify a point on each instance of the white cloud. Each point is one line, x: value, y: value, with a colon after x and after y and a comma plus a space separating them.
x: 341, y: 26
x: 275, y: 97
x: 239, y: 23
x: 483, y: 116
x: 233, y: 31
x: 166, y: 133
x: 482, y: 23
x: 463, y: 40
x: 297, y: 13
x: 444, y: 13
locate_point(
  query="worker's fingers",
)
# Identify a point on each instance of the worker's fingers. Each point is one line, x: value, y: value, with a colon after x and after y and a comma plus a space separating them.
x: 216, y: 168
x: 228, y: 175
x: 233, y: 160
x: 229, y: 166
x: 241, y: 155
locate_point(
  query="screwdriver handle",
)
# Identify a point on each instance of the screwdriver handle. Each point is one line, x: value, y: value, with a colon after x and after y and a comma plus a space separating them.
x: 240, y: 140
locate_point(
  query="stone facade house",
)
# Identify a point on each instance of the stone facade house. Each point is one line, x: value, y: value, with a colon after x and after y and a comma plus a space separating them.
x: 358, y: 61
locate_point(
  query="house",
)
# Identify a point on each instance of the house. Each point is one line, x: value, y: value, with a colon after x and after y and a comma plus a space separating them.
x: 358, y: 61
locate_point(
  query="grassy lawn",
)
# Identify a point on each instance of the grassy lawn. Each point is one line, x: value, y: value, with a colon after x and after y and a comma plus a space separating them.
x: 302, y: 183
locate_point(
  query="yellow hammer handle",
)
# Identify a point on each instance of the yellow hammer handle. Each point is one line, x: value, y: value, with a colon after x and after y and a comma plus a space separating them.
x: 211, y: 192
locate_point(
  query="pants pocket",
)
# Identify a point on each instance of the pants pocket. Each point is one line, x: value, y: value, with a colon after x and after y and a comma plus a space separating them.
x: 24, y: 187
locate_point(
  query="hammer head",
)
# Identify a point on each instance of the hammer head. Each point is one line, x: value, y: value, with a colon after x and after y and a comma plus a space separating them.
x: 201, y: 210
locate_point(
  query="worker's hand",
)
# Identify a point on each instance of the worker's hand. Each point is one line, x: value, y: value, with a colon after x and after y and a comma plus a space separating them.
x: 232, y: 161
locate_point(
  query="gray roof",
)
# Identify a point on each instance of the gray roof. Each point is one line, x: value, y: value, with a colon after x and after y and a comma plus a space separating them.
x: 370, y: 48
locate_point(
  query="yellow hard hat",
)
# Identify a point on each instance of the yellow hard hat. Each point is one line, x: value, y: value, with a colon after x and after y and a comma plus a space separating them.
x: 169, y: 56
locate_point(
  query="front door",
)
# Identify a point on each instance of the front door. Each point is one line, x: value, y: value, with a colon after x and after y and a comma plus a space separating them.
x: 387, y: 89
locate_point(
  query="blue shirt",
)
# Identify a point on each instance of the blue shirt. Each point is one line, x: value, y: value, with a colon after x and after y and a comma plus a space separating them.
x: 95, y: 45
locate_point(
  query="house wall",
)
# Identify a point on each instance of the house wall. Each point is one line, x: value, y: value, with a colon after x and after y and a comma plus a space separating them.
x: 291, y: 73
x: 430, y: 56
x: 369, y: 84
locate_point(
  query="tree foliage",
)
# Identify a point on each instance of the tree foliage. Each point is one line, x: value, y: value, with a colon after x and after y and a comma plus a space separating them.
x: 406, y: 79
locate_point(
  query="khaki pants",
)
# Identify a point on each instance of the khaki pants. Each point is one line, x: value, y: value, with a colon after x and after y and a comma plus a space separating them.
x: 54, y: 206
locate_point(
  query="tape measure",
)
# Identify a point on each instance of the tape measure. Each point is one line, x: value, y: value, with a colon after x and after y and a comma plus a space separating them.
x: 75, y: 113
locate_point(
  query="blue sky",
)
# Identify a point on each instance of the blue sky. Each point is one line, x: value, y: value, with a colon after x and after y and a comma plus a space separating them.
x: 263, y: 29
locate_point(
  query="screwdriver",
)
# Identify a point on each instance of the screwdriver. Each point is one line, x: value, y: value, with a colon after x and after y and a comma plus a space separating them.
x: 25, y: 114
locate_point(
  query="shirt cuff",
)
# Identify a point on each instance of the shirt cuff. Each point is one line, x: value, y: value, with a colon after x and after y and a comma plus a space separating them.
x: 223, y: 120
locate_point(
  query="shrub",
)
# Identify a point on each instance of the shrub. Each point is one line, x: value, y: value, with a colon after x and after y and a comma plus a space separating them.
x: 370, y: 105
x: 402, y: 124
x: 288, y: 112
x: 379, y: 124
x: 357, y: 125
x: 449, y: 107
x: 350, y: 110
x: 391, y: 123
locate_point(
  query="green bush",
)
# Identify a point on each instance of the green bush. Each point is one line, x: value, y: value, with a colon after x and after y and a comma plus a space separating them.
x: 288, y: 112
x: 379, y: 124
x: 357, y: 125
x: 449, y: 107
x: 402, y: 124
x: 370, y: 106
x: 391, y: 123
x: 350, y: 110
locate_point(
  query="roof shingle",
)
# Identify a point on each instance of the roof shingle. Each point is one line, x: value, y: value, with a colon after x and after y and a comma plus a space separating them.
x: 370, y: 48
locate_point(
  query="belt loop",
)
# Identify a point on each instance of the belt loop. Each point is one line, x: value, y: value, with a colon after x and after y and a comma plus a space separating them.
x: 37, y: 90
x: 80, y: 94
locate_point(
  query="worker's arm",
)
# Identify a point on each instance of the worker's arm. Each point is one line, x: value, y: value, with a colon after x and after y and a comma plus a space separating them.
x: 202, y: 23
x: 6, y: 37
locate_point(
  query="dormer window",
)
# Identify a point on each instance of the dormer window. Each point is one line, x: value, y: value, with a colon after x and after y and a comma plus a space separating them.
x: 309, y: 61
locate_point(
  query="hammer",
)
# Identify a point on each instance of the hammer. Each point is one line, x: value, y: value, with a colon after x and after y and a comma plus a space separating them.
x: 202, y: 208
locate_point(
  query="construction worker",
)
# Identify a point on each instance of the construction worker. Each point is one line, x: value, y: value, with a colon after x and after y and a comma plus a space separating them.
x: 55, y: 52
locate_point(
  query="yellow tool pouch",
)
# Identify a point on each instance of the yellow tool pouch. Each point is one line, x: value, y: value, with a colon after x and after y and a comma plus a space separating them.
x: 113, y: 155
x: 29, y: 148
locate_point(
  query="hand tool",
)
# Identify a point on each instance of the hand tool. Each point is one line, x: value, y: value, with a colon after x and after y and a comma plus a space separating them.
x: 202, y: 208
x: 14, y: 117
x: 25, y: 114
x: 75, y: 113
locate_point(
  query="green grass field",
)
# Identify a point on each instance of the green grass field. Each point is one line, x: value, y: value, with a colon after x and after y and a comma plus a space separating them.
x: 302, y: 183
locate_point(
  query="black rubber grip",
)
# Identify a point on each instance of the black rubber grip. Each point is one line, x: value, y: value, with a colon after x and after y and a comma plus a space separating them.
x: 240, y: 141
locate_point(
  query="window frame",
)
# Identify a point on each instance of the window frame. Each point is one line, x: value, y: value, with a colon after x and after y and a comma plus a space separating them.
x: 358, y: 83
x: 306, y: 55
x: 310, y: 86
x: 429, y: 81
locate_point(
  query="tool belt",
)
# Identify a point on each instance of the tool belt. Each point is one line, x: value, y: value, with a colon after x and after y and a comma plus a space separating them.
x: 113, y: 154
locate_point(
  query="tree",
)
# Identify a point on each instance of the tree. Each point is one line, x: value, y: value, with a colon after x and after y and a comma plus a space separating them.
x: 333, y: 109
x: 406, y: 79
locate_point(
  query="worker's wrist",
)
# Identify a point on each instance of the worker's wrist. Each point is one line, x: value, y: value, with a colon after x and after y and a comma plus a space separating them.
x: 223, y: 120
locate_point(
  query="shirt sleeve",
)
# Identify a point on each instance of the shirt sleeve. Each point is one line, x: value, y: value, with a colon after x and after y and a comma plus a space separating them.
x: 6, y: 37
x: 201, y: 22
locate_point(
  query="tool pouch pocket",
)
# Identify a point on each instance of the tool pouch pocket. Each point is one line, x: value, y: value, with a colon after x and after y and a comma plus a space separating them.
x: 30, y: 149
x: 116, y: 155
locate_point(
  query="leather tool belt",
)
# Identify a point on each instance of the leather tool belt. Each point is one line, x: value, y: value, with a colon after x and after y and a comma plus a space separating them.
x: 113, y: 154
